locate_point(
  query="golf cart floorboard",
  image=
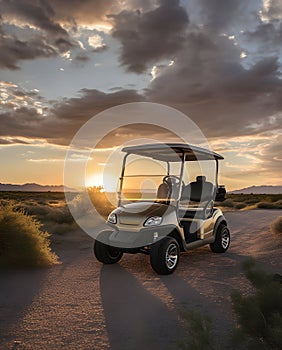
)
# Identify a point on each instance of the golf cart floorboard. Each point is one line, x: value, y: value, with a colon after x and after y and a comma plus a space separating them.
x: 189, y: 236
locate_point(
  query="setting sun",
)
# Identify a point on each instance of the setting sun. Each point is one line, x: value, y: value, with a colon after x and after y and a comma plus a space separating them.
x: 95, y: 180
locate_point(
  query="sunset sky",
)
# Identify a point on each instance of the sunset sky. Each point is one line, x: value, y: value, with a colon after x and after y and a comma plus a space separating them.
x: 217, y: 61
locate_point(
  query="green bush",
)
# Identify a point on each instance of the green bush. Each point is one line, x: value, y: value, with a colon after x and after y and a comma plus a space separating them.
x: 267, y: 205
x: 276, y: 226
x: 240, y: 205
x: 199, y: 336
x: 21, y: 240
x: 227, y: 203
x: 259, y: 315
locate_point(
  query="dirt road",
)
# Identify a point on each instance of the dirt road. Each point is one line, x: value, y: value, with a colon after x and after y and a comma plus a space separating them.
x: 81, y: 304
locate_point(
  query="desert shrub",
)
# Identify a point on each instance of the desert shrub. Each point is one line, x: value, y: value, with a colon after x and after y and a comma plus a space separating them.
x: 227, y: 203
x: 240, y: 205
x: 267, y: 205
x: 54, y: 218
x: 199, y: 335
x: 278, y: 204
x: 276, y: 226
x: 100, y: 201
x: 22, y: 242
x: 259, y: 315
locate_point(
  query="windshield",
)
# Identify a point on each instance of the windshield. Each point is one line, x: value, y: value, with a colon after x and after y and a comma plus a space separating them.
x: 144, y: 180
x: 147, y: 179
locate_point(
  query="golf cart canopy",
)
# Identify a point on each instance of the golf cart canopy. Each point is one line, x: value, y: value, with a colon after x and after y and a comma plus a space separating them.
x: 172, y: 152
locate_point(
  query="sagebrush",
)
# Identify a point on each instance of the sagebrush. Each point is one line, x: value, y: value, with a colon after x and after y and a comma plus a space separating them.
x: 22, y: 242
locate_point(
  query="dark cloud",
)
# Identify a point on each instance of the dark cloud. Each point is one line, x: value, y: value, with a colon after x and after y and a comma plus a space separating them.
x: 147, y: 37
x: 65, y: 117
x: 91, y: 102
x: 41, y: 15
x: 38, y: 13
x: 49, y: 42
x: 81, y: 58
x: 12, y: 50
x: 219, y: 15
x: 209, y: 83
x: 267, y: 37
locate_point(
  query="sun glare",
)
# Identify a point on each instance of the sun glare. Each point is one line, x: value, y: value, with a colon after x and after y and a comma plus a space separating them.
x: 95, y: 180
x: 107, y: 182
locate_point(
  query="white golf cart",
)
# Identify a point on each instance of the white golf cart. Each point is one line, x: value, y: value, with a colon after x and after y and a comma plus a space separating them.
x: 167, y: 208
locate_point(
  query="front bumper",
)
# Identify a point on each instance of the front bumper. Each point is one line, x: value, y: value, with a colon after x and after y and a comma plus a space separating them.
x: 134, y: 239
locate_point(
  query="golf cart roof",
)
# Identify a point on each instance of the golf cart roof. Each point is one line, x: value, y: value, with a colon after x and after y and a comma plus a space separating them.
x: 172, y: 152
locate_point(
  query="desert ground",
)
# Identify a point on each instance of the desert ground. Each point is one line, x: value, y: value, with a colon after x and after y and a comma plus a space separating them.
x: 81, y: 304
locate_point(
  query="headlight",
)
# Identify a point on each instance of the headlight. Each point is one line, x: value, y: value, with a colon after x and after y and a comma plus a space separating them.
x: 112, y: 218
x: 153, y: 221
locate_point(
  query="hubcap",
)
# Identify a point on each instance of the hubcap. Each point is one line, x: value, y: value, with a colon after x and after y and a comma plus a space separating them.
x: 225, y: 238
x: 171, y: 256
x: 113, y: 253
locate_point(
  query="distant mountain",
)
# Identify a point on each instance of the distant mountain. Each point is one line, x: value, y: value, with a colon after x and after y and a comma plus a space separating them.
x: 33, y: 187
x: 259, y: 190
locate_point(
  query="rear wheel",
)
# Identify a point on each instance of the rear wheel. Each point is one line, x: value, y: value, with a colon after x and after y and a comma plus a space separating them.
x: 222, y: 239
x: 164, y: 256
x: 106, y: 254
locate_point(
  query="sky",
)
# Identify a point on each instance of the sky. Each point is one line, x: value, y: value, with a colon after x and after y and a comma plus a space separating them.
x: 217, y: 61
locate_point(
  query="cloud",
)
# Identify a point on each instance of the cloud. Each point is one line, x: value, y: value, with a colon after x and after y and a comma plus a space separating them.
x: 12, y: 50
x: 272, y: 9
x: 83, y: 12
x: 147, y: 37
x: 36, y: 13
x: 30, y: 29
x: 97, y: 43
x: 59, y: 122
x: 81, y: 58
x: 209, y: 83
x: 219, y: 15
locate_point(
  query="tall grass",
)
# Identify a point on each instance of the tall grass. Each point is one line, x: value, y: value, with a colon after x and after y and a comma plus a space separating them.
x: 276, y: 226
x: 22, y: 242
x: 251, y: 201
x: 101, y: 201
x: 259, y: 315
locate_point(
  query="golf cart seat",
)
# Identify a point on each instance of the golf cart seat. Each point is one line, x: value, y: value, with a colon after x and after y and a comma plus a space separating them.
x: 163, y: 192
x: 199, y: 191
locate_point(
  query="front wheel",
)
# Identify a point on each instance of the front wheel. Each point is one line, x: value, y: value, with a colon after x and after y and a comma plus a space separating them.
x: 164, y: 256
x: 222, y: 239
x: 106, y: 254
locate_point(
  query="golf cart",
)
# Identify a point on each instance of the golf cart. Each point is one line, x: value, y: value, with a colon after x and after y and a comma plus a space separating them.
x: 167, y: 209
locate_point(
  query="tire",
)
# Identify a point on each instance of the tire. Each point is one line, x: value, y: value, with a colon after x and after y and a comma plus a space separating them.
x: 106, y: 254
x: 164, y: 256
x: 222, y: 239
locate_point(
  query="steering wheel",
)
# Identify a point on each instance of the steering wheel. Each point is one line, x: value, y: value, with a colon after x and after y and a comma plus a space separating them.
x: 171, y: 181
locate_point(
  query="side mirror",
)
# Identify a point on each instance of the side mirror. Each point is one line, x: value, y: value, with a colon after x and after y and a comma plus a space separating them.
x: 220, y: 195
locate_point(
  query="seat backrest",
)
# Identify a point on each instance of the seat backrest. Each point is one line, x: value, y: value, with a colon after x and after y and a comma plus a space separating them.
x: 163, y: 192
x: 199, y: 190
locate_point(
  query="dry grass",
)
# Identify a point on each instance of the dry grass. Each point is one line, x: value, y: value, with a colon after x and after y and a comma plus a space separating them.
x: 49, y: 208
x: 22, y: 242
x: 276, y: 226
x: 251, y: 201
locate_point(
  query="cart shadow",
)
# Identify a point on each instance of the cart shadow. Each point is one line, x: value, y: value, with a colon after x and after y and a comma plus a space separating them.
x: 135, y: 318
x: 189, y: 299
x: 19, y: 286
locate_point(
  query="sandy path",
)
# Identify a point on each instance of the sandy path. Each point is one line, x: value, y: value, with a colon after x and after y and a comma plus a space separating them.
x: 84, y: 305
